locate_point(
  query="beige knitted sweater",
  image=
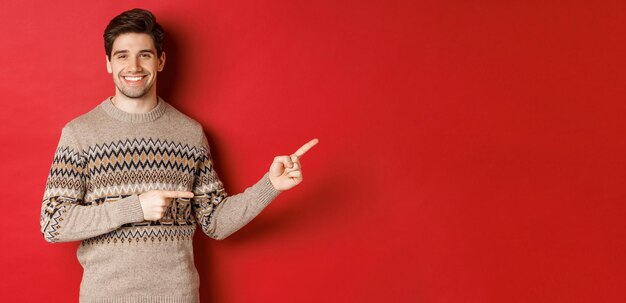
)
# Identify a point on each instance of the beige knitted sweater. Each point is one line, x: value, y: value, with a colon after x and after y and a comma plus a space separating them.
x: 106, y: 158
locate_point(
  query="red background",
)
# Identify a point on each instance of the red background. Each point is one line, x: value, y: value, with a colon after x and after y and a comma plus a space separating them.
x: 470, y: 151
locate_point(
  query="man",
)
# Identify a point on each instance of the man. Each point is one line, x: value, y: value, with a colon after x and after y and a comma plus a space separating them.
x: 131, y: 178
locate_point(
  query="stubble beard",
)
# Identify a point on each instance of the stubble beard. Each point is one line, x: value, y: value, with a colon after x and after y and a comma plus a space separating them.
x: 133, y: 92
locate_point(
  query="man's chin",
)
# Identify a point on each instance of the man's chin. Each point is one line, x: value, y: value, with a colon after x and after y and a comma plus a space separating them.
x: 133, y: 95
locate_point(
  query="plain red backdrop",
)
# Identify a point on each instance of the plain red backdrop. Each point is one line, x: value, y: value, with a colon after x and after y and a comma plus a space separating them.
x: 470, y: 151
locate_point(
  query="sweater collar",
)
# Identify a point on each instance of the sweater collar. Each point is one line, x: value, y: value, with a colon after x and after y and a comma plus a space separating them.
x: 156, y: 112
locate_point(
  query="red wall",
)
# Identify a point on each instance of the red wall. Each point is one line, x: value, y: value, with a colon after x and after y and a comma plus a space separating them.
x: 470, y: 151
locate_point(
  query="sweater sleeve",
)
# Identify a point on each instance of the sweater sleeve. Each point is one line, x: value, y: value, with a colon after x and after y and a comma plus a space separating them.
x: 65, y: 216
x: 219, y: 214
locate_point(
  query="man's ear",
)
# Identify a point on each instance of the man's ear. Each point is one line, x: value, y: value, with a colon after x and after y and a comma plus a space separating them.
x: 109, y: 69
x: 161, y: 61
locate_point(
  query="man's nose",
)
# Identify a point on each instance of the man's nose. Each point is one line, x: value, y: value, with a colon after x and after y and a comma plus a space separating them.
x: 134, y: 64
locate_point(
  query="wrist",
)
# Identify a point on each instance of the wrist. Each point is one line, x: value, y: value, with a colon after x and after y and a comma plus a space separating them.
x: 273, y: 182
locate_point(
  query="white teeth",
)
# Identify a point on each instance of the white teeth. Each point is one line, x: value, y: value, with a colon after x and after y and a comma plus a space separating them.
x: 132, y: 78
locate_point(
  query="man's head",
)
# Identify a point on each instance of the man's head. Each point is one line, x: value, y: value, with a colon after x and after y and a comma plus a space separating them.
x: 133, y: 42
x: 133, y: 21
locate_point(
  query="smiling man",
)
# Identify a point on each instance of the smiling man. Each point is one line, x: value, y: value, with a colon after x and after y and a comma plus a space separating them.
x: 132, y: 177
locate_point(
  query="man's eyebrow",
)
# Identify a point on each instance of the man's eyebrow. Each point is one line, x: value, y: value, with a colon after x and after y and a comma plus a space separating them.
x: 123, y: 51
x: 119, y: 52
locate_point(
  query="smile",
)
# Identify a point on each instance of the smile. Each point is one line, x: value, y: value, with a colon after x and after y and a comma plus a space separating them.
x: 134, y: 79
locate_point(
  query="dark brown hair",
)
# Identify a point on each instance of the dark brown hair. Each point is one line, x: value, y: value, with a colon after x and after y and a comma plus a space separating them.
x: 133, y: 21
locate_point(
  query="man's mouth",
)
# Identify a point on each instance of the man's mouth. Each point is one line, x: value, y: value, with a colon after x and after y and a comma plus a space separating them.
x: 133, y: 79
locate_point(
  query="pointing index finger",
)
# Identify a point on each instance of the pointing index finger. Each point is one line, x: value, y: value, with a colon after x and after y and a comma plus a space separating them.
x: 177, y: 194
x: 306, y: 147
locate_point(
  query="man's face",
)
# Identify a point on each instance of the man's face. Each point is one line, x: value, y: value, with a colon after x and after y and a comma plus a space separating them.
x: 134, y: 64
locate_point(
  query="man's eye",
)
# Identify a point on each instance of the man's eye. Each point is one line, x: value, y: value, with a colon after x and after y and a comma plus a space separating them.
x: 121, y: 57
x: 146, y: 55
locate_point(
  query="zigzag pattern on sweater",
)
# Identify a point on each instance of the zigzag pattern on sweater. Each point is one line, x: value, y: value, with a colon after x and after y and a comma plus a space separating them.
x: 131, y: 181
x: 99, y: 193
x: 65, y: 186
x: 139, y: 154
x: 206, y: 180
x: 66, y: 176
x: 51, y: 215
x: 110, y: 171
x: 148, y: 234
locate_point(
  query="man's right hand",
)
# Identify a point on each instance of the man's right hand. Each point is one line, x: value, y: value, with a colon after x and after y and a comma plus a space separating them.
x: 154, y: 203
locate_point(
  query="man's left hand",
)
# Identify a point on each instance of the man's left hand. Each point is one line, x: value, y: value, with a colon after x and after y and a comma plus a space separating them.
x: 286, y: 171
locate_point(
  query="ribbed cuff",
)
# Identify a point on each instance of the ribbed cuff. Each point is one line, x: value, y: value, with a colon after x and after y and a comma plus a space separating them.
x: 128, y: 210
x: 267, y: 192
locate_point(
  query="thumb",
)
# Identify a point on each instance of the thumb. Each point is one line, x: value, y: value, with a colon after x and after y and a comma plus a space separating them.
x: 280, y: 163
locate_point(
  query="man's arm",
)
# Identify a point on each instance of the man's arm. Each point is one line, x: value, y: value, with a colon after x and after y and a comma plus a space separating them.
x: 64, y: 214
x: 219, y: 214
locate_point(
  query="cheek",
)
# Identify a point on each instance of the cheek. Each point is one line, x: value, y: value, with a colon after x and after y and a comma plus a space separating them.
x: 114, y: 70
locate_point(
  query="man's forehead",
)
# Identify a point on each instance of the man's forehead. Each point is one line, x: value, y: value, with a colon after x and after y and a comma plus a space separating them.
x: 133, y: 42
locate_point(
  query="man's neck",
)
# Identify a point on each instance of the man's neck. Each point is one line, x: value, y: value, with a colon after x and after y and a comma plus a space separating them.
x: 135, y: 105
